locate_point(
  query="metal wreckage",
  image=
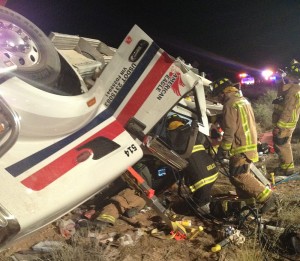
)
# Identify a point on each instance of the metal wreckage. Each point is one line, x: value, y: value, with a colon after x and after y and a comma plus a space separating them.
x: 76, y: 114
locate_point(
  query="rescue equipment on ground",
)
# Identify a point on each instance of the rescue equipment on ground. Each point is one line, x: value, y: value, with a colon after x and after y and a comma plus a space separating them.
x: 182, y: 230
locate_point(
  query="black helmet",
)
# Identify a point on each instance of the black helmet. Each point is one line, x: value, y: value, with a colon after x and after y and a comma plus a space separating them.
x: 294, y: 69
x: 219, y: 85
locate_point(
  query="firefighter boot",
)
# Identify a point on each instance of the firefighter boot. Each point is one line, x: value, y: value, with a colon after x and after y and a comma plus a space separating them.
x: 270, y: 204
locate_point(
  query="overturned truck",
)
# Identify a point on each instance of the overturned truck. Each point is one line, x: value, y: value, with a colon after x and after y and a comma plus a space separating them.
x: 76, y: 114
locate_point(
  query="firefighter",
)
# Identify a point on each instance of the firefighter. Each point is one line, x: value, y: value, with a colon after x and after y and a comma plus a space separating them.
x: 239, y: 143
x: 285, y: 117
x: 125, y: 203
x: 201, y: 172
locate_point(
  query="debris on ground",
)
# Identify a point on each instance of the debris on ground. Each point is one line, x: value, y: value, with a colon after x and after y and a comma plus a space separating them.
x: 145, y: 234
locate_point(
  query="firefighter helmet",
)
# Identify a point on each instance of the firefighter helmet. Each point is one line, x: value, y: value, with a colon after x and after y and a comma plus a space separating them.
x: 219, y: 85
x: 174, y: 121
x: 294, y: 69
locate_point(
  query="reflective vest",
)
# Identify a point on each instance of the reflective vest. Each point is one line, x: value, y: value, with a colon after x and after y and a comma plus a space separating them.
x: 211, y: 170
x: 239, y: 126
x: 286, y: 114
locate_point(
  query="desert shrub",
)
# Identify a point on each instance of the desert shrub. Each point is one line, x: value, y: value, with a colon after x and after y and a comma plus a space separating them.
x: 263, y: 109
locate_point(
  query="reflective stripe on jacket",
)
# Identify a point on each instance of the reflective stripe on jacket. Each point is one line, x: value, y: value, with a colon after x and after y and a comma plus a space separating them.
x: 286, y: 115
x: 239, y: 126
x: 208, y: 165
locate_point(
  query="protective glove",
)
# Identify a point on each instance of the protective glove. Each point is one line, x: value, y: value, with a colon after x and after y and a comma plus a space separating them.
x: 278, y: 100
x: 276, y: 131
x: 222, y: 154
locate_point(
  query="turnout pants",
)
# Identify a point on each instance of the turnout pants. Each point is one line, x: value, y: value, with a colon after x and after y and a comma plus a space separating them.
x: 124, y: 200
x: 282, y: 146
x: 246, y: 185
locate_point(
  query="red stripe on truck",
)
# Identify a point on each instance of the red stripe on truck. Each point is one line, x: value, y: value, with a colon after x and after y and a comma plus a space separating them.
x: 146, y: 87
x: 60, y: 166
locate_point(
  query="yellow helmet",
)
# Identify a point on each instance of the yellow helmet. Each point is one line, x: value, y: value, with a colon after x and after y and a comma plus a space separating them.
x: 174, y: 121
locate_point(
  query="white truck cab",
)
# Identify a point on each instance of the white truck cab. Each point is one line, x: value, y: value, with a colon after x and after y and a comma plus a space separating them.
x: 71, y: 109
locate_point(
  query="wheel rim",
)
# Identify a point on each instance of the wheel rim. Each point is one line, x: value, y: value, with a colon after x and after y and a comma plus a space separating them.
x: 17, y: 45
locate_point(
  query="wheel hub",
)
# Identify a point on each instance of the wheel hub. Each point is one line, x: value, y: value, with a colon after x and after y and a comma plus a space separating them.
x: 17, y: 45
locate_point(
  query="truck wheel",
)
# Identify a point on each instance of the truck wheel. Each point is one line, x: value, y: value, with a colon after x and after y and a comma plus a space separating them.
x: 29, y: 48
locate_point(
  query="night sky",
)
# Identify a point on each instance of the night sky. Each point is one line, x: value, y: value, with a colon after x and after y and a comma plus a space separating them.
x: 220, y: 37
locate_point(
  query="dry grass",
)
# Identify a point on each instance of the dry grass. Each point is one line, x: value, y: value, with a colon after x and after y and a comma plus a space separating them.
x: 251, y: 251
x: 85, y: 250
x: 289, y: 209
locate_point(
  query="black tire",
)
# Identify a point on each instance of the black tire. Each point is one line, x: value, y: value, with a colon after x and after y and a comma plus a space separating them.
x: 35, y: 56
